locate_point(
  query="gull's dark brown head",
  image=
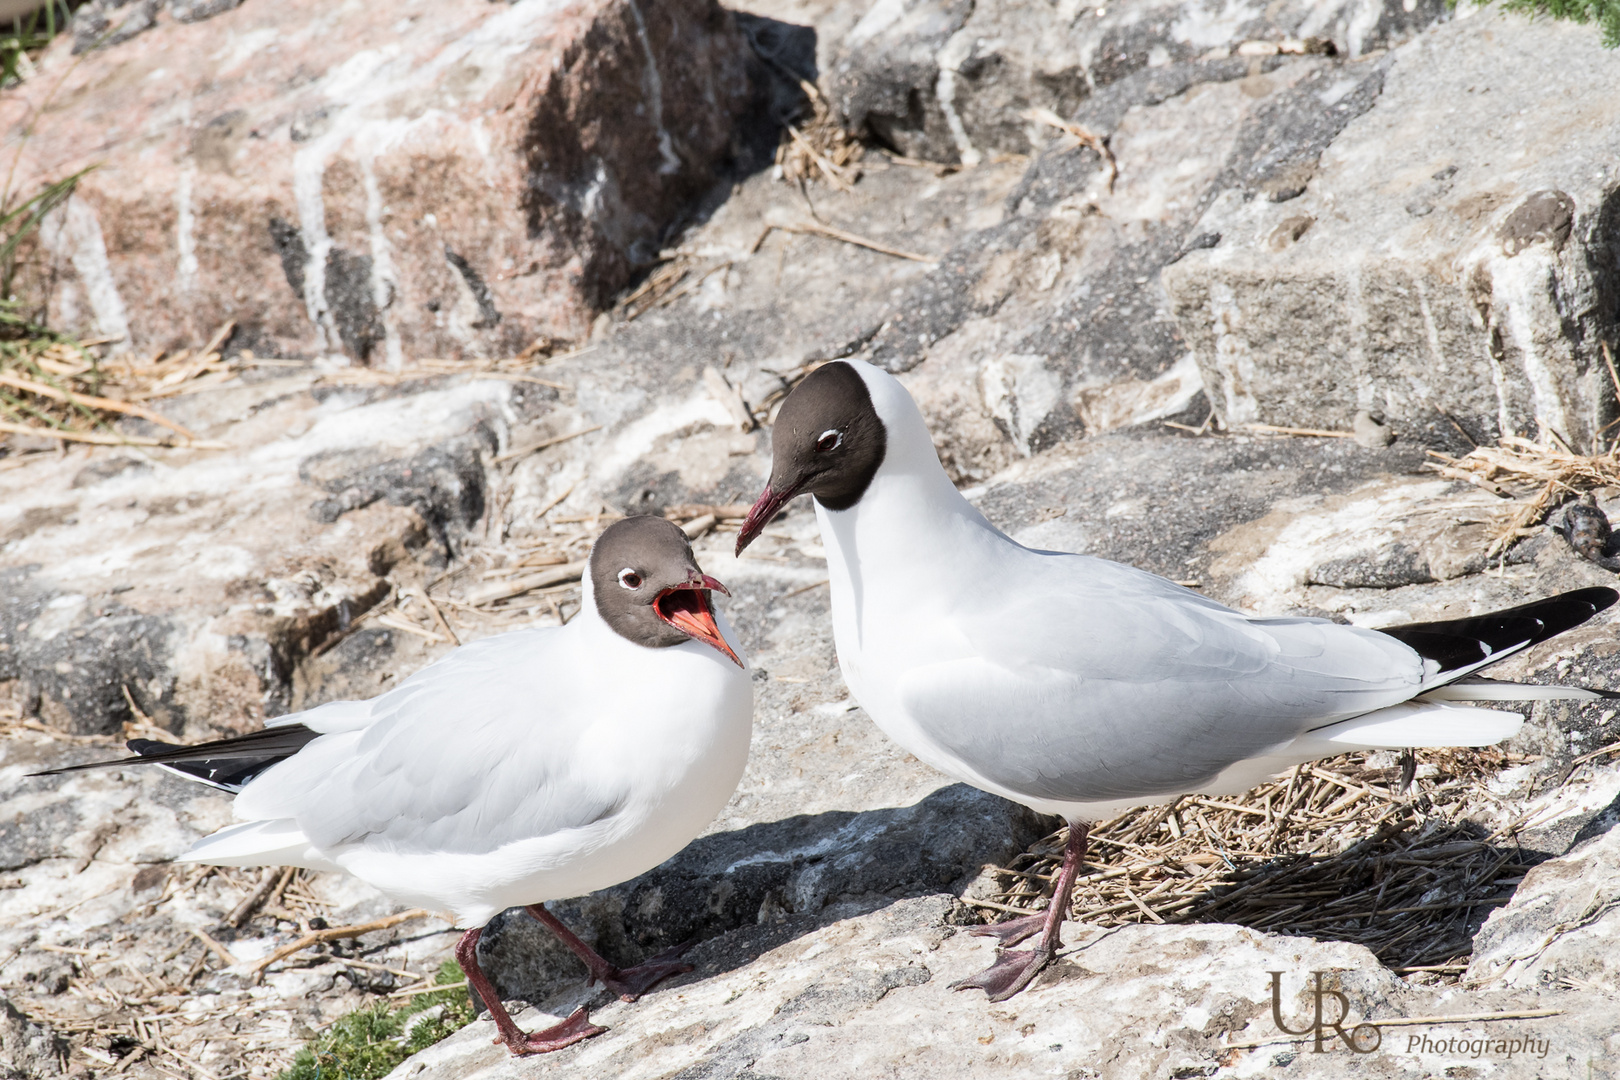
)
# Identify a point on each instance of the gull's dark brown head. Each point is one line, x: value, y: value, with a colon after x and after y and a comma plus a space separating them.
x: 828, y: 442
x: 648, y: 586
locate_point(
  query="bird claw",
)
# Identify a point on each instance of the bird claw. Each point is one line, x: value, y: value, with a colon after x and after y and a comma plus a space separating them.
x: 630, y: 983
x: 576, y: 1028
x: 1012, y: 931
x: 1011, y: 972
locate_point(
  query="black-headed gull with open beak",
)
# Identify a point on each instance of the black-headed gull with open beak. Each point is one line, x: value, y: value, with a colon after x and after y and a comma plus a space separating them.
x: 1082, y: 687
x: 526, y: 767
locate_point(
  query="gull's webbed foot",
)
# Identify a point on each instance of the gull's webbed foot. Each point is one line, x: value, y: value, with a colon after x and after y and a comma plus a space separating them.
x: 576, y: 1028
x: 630, y: 983
x: 1011, y: 972
x: 1012, y: 931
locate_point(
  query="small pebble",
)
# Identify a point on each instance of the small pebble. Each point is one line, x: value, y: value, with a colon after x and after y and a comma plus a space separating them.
x: 1586, y: 527
x: 1371, y: 432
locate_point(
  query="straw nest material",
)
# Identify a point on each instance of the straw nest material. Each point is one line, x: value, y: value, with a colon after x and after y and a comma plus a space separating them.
x: 51, y: 385
x: 1539, y: 476
x: 54, y: 387
x: 131, y: 998
x: 817, y: 147
x: 1333, y: 850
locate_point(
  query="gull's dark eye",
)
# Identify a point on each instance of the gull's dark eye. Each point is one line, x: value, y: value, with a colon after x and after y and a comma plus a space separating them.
x: 830, y: 440
x: 629, y: 579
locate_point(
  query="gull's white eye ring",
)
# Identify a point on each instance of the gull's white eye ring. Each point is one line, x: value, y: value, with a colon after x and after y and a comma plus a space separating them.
x: 829, y: 440
x: 629, y: 579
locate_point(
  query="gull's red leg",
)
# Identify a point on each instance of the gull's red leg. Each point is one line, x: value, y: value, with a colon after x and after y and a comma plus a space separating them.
x: 629, y: 983
x: 1013, y: 971
x: 578, y: 1026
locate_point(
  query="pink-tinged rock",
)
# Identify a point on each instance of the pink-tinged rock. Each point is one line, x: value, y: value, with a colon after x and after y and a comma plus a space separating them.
x: 386, y: 180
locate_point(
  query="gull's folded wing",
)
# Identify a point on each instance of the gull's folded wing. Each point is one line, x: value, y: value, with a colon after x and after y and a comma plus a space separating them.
x: 492, y: 744
x: 1094, y: 681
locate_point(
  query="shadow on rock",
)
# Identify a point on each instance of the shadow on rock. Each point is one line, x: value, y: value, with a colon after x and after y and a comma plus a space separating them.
x: 1413, y: 896
x: 790, y: 877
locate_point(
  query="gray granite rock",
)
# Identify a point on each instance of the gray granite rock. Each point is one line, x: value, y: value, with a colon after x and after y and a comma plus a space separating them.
x: 28, y: 1050
x: 870, y: 996
x: 1057, y: 312
x: 162, y: 580
x: 953, y: 82
x: 1561, y: 926
x: 1448, y: 257
x: 884, y: 83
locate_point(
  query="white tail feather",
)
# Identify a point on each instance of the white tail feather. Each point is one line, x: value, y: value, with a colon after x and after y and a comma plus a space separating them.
x: 1410, y: 724
x: 258, y: 843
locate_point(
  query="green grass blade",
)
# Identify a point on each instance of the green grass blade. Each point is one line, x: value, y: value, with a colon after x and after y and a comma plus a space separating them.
x: 32, y: 211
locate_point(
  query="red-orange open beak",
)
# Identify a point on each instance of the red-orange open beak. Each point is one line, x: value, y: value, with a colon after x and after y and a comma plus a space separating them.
x: 686, y: 608
x: 769, y: 504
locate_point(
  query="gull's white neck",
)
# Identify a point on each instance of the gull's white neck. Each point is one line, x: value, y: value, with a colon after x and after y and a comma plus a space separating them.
x: 911, y: 527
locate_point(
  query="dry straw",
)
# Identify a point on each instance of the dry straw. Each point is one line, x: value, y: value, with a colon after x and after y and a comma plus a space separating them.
x: 135, y: 992
x: 1333, y: 850
x: 57, y: 388
x: 1539, y: 475
x: 819, y: 148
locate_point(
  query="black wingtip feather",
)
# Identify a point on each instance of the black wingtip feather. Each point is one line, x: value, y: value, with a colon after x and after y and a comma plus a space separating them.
x: 225, y: 763
x: 1459, y: 643
x: 227, y: 774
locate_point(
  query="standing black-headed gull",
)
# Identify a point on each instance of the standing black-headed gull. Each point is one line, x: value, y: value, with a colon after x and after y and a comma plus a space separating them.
x: 531, y: 766
x: 1082, y: 687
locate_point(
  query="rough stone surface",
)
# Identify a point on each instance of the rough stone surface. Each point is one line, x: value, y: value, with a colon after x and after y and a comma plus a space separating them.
x: 951, y: 81
x: 93, y: 918
x: 1056, y: 311
x: 1561, y: 927
x: 223, y: 587
x: 869, y: 996
x: 28, y: 1051
x: 1429, y: 266
x: 472, y: 176
x: 204, y: 583
x: 105, y: 23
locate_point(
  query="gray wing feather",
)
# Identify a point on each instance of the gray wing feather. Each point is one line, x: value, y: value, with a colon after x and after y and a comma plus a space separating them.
x: 468, y: 754
x: 1097, y: 681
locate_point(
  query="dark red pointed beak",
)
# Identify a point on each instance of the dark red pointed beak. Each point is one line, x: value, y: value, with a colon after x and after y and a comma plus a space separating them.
x: 769, y: 504
x: 686, y: 608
